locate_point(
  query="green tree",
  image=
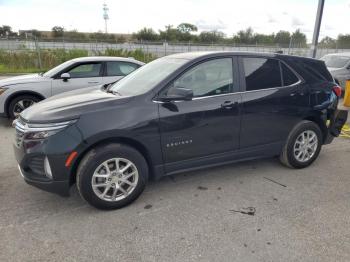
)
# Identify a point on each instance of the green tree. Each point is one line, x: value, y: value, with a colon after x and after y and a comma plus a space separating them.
x: 6, y: 30
x: 328, y: 42
x: 170, y: 34
x: 299, y: 39
x: 211, y: 36
x: 146, y: 34
x: 343, y: 41
x: 282, y: 38
x: 57, y: 31
x: 263, y: 39
x: 244, y: 36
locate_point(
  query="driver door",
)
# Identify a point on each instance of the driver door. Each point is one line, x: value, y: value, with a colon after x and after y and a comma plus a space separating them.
x: 81, y: 75
x: 209, y: 124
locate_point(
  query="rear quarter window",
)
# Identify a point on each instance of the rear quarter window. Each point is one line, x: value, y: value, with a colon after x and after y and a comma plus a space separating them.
x: 312, y: 70
x: 261, y: 73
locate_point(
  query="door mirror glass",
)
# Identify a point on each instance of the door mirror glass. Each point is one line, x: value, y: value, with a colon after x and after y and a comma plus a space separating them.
x: 177, y: 94
x: 65, y: 76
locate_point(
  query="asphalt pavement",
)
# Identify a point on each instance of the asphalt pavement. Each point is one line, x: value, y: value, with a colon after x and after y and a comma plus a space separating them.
x: 250, y: 211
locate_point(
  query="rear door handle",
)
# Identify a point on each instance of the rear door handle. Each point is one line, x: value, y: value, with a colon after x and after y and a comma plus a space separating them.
x: 227, y: 104
x: 93, y: 82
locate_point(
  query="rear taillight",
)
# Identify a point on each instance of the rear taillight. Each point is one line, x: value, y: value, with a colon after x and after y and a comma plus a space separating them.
x: 337, y: 90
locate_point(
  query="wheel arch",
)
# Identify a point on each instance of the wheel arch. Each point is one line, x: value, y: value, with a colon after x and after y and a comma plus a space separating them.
x: 321, y: 123
x: 20, y: 93
x: 121, y: 140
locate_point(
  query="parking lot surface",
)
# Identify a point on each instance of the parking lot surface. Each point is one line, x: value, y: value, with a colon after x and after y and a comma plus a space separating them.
x: 250, y: 211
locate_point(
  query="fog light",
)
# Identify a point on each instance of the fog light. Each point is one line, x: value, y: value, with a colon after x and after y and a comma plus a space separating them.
x: 47, y: 168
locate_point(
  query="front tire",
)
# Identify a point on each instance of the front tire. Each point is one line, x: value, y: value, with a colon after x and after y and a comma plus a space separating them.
x: 112, y: 176
x: 303, y: 145
x: 20, y: 103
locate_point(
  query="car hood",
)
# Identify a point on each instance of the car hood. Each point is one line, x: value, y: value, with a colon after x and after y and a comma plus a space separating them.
x: 23, y: 79
x: 71, y: 105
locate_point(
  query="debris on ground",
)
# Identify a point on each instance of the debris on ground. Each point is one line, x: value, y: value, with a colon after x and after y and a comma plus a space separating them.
x: 246, y: 211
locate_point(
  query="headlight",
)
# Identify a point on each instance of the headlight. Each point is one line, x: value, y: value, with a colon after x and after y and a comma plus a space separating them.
x: 40, y: 131
x: 2, y: 90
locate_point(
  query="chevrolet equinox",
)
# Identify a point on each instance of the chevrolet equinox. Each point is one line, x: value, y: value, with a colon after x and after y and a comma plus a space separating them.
x: 178, y: 113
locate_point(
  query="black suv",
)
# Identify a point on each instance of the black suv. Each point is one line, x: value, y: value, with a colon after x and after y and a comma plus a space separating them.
x: 178, y: 113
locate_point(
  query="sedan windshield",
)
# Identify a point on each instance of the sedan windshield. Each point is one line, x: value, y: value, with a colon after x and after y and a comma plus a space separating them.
x: 335, y: 61
x: 147, y: 77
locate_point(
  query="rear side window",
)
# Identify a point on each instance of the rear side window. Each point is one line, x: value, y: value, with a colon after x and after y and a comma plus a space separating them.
x: 261, y: 73
x: 118, y: 68
x: 289, y: 78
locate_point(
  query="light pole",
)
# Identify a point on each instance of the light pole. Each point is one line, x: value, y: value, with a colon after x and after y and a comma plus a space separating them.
x: 317, y: 27
x: 105, y: 15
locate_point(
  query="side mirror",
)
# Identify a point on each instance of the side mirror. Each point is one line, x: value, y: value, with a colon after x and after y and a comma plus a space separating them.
x: 177, y: 94
x: 65, y: 77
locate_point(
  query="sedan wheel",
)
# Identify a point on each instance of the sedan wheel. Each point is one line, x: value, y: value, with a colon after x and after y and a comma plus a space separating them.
x: 21, y: 105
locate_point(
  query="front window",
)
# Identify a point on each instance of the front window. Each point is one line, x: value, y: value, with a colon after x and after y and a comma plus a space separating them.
x: 147, y: 77
x: 209, y: 78
x: 85, y: 70
x: 336, y: 61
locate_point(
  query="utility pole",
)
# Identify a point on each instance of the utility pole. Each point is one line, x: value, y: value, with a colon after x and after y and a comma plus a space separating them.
x: 317, y: 28
x: 105, y: 15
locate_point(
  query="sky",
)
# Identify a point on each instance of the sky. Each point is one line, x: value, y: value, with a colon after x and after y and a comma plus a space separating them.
x: 127, y: 16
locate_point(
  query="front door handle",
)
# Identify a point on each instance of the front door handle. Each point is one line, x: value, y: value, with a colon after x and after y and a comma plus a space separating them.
x: 93, y: 82
x: 227, y: 104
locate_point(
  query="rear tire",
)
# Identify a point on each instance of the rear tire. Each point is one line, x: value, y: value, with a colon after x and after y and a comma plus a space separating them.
x: 303, y: 145
x: 103, y: 166
x: 20, y: 103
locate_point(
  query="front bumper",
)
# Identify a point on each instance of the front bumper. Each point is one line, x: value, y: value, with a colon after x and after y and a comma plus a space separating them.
x: 58, y: 187
x: 31, y: 155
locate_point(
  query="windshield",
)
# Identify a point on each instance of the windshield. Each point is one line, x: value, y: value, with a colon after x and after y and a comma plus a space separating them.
x: 335, y: 61
x: 57, y: 69
x: 146, y: 77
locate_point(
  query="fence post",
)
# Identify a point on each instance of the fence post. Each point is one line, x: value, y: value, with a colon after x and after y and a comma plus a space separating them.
x: 38, y: 52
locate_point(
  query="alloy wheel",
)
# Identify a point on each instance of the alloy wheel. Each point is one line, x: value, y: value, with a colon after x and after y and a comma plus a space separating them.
x: 115, y: 179
x: 305, y: 146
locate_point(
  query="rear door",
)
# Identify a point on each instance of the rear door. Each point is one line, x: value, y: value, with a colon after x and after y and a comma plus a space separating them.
x: 273, y: 100
x: 116, y: 70
x: 207, y: 125
x: 81, y: 75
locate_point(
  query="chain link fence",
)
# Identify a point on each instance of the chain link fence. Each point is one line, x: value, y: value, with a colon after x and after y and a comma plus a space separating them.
x: 42, y: 54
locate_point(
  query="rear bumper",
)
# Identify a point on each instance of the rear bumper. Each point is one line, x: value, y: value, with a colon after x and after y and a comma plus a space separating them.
x: 337, y: 122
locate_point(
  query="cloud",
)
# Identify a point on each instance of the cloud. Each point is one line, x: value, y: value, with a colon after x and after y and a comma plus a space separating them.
x: 271, y: 19
x: 297, y: 22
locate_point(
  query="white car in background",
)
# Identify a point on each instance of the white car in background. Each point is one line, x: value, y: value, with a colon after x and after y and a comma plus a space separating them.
x: 18, y: 93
